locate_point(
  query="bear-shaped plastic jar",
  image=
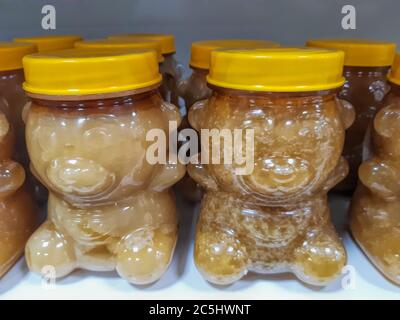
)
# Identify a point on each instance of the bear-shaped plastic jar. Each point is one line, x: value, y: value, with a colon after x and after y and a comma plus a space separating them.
x: 109, y: 206
x: 375, y: 207
x: 170, y: 69
x: 269, y: 213
x: 366, y: 67
x: 195, y: 88
x: 51, y: 43
x: 11, y: 79
x: 18, y: 214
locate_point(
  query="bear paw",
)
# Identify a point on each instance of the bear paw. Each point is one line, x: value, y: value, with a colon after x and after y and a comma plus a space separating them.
x: 49, y: 247
x: 144, y: 255
x: 220, y: 257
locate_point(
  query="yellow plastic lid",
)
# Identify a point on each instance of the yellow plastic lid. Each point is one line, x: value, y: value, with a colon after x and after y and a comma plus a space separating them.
x: 358, y: 52
x: 122, y: 44
x: 11, y: 54
x: 201, y: 50
x: 394, y: 74
x: 167, y: 41
x: 76, y: 72
x: 51, y: 43
x: 277, y: 69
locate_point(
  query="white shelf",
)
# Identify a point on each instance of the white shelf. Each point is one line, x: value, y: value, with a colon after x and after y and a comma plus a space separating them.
x: 182, y: 281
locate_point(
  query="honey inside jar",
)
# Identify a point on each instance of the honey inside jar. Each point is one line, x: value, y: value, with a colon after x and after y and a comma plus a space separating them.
x: 11, y: 79
x: 18, y: 214
x: 274, y: 217
x: 109, y: 208
x: 365, y: 69
x: 375, y: 210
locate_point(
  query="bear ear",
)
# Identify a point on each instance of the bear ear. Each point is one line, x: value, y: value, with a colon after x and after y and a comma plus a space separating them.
x: 197, y: 113
x: 4, y: 126
x: 171, y: 112
x: 387, y: 121
x: 348, y: 113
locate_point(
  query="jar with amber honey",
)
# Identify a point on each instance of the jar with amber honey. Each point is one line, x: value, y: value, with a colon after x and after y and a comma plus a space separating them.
x: 366, y: 66
x: 195, y: 88
x: 11, y: 79
x: 18, y: 214
x: 50, y: 43
x: 375, y: 207
x: 109, y: 206
x: 269, y: 213
x: 170, y: 69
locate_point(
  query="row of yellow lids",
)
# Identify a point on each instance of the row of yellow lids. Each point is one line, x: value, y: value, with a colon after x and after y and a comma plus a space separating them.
x: 242, y: 64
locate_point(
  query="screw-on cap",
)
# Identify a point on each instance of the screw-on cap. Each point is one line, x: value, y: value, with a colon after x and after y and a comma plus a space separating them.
x: 394, y: 75
x: 277, y: 69
x: 167, y: 41
x: 11, y: 54
x: 77, y: 72
x: 201, y: 50
x: 122, y: 44
x: 51, y: 43
x: 360, y: 53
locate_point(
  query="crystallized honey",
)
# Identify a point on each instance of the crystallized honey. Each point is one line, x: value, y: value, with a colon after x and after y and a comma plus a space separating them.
x: 375, y: 207
x: 274, y: 218
x: 108, y: 208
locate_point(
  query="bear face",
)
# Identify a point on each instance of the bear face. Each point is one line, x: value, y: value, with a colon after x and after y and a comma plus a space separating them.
x: 297, y: 142
x: 95, y: 156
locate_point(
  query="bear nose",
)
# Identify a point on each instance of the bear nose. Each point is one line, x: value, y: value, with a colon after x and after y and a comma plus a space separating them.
x: 79, y: 176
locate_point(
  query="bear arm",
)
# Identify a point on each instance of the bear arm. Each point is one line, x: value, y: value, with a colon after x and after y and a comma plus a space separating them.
x: 380, y: 178
x: 25, y: 111
x: 348, y: 113
x: 338, y: 174
x: 171, y: 112
x: 12, y: 177
x: 197, y: 113
x: 167, y: 175
x: 200, y: 174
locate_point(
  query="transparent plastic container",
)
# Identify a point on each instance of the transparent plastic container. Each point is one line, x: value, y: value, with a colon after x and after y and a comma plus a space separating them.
x: 11, y: 79
x: 375, y: 207
x: 366, y: 67
x: 109, y: 208
x: 18, y: 214
x: 192, y: 90
x: 274, y: 218
x: 365, y: 89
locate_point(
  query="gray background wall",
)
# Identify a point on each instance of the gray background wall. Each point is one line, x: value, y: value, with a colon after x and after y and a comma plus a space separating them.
x: 290, y: 22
